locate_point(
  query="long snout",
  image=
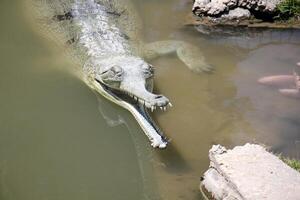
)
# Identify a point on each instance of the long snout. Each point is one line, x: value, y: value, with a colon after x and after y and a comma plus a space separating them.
x: 140, y: 93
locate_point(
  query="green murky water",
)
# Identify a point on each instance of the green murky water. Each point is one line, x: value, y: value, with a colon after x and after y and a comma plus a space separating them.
x: 60, y: 141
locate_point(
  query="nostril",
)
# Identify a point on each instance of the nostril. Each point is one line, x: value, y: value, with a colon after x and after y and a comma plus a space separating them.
x: 158, y: 96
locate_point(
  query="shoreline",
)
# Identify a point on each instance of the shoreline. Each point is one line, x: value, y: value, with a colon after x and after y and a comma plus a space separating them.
x: 194, y: 20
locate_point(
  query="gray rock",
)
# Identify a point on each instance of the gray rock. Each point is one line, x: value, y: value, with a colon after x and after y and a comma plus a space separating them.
x: 267, y: 6
x: 199, y: 6
x: 219, y: 7
x: 249, y: 172
x: 237, y: 14
x: 213, y: 7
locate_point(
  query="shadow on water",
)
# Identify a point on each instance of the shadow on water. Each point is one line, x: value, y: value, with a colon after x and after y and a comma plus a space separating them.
x: 173, y: 160
x: 116, y: 116
x: 171, y: 157
x: 290, y: 143
x: 248, y: 38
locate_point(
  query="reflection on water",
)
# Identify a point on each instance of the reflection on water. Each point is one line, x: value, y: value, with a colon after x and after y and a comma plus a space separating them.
x: 249, y: 38
x: 276, y: 118
x: 54, y: 143
x: 59, y: 140
x: 225, y: 107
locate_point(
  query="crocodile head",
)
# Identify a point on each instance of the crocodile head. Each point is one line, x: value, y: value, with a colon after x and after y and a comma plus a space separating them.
x: 131, y: 78
x: 128, y: 82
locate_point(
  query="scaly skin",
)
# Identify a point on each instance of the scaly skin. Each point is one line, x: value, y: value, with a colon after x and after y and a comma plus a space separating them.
x: 105, y: 35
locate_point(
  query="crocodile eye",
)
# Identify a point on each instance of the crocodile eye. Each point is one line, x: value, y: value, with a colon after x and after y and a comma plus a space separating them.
x: 112, y: 74
x: 148, y: 71
x: 117, y: 71
x: 151, y: 68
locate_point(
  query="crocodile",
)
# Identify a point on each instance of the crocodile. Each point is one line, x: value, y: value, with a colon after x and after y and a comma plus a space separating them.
x: 106, y: 36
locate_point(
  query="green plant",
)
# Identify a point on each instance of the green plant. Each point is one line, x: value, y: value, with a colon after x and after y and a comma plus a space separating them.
x: 293, y: 163
x: 289, y: 8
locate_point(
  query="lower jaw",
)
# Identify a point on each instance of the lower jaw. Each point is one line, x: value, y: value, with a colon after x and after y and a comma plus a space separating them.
x: 144, y: 112
x: 139, y: 110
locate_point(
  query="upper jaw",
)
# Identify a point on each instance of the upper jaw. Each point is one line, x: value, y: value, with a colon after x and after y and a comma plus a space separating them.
x: 151, y: 101
x: 143, y: 97
x: 157, y: 101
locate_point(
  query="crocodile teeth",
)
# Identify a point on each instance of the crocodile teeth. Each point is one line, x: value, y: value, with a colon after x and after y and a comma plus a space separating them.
x: 148, y: 105
x: 142, y: 101
x: 152, y: 108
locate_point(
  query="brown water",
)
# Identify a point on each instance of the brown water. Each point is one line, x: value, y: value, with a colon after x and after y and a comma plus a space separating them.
x: 59, y: 140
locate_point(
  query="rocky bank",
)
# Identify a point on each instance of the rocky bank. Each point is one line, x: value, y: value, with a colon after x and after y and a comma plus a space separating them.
x: 257, y: 13
x: 248, y: 172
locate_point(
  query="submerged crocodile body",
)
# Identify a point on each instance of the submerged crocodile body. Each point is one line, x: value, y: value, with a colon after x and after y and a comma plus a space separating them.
x: 106, y: 36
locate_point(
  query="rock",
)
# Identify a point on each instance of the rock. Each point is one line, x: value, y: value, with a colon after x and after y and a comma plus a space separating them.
x: 237, y: 14
x: 219, y: 7
x: 213, y: 7
x: 249, y: 172
x: 267, y: 6
x: 199, y: 6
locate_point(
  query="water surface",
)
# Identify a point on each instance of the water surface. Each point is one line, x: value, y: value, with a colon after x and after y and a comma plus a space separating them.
x: 55, y: 144
x: 59, y: 140
x: 226, y: 107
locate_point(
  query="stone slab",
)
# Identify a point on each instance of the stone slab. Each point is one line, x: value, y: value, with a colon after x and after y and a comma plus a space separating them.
x: 249, y: 172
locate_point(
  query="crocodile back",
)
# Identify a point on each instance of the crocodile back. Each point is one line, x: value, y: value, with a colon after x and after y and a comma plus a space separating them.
x: 89, y: 28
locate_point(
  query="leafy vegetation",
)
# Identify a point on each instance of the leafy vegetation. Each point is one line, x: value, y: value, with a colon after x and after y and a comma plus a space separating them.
x: 293, y: 163
x: 289, y: 8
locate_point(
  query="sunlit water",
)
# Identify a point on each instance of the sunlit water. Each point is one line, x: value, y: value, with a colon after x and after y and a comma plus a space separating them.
x: 60, y: 141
